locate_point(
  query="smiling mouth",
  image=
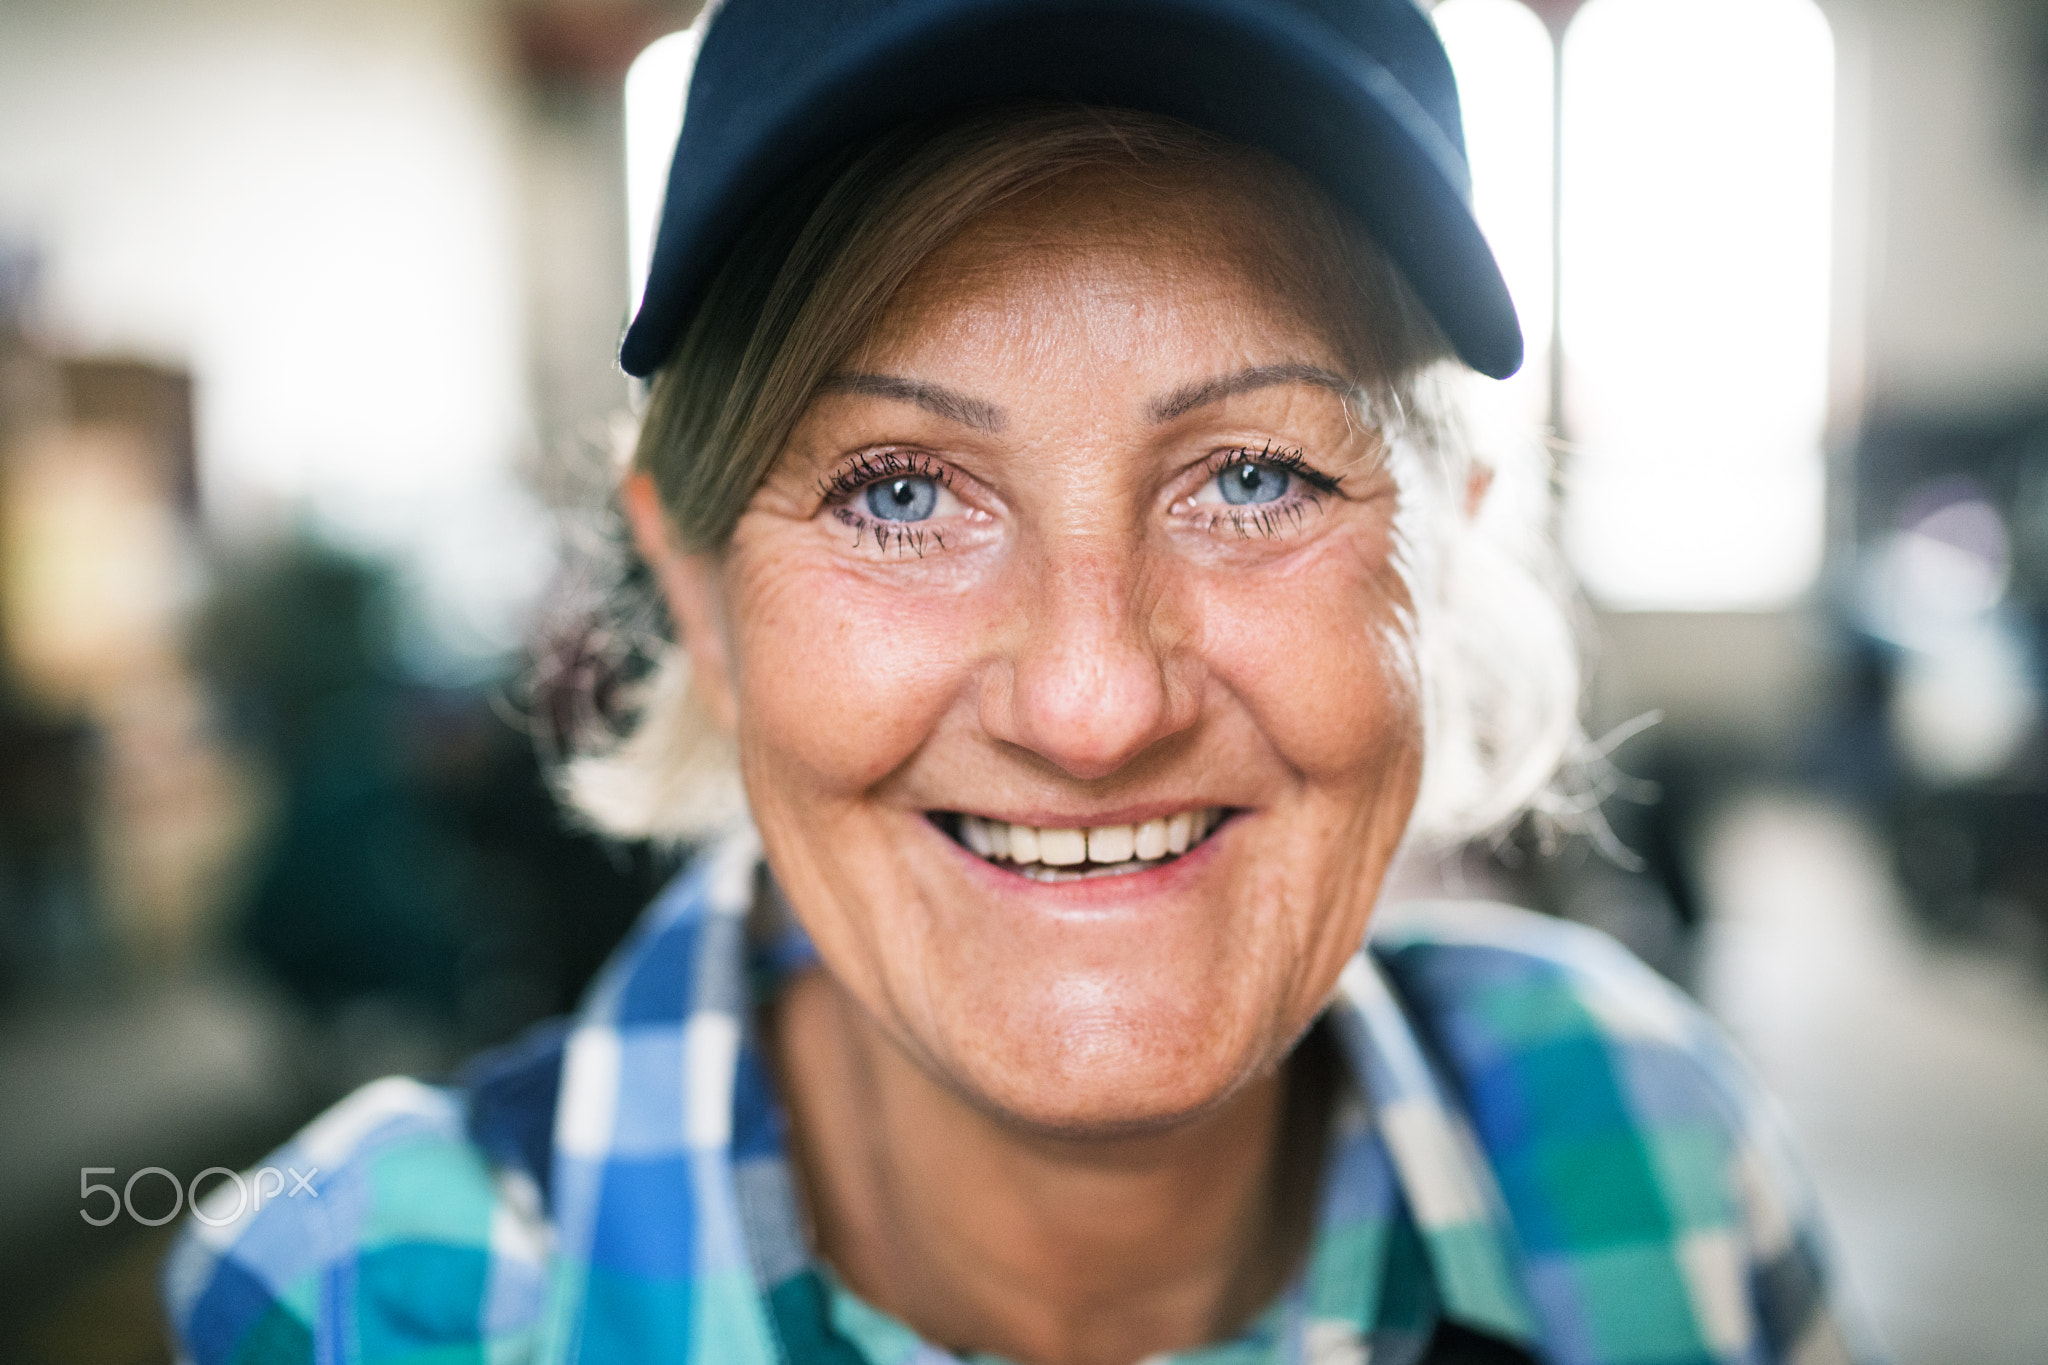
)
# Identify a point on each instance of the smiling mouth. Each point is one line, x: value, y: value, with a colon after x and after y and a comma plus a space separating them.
x: 1072, y: 855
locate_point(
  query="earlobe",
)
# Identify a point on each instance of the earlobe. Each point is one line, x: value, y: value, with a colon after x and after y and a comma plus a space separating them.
x: 689, y: 585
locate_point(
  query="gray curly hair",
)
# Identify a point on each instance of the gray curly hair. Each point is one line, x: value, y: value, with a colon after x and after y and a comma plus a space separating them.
x: 803, y: 289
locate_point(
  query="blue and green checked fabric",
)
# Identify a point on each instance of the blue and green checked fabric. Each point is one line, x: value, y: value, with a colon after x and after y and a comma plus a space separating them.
x: 1545, y: 1144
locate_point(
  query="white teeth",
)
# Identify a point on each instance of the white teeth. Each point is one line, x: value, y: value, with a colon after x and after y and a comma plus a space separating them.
x: 1106, y: 849
x: 1062, y: 847
x: 1111, y: 844
x: 1177, y: 833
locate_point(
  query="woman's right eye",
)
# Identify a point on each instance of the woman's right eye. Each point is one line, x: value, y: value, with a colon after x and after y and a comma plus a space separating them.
x: 1249, y: 484
x: 911, y: 498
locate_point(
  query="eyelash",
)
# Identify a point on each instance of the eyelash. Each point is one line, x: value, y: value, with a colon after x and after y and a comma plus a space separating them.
x: 872, y: 466
x: 1268, y: 520
x: 863, y: 472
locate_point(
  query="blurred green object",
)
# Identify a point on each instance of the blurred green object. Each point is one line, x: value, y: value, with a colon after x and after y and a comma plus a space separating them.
x: 416, y: 856
x: 358, y: 891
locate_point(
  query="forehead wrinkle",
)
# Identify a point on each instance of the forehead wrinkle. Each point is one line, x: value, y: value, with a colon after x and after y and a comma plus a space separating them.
x: 1188, y: 397
x: 950, y: 404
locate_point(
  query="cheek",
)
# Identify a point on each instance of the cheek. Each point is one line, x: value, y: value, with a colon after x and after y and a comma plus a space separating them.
x: 1324, y: 656
x: 839, y: 674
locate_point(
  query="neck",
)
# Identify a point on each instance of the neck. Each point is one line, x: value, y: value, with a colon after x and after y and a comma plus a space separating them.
x: 1050, y: 1251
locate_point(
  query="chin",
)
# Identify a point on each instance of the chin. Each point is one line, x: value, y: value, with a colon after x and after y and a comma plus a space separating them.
x: 1100, y: 1113
x: 1091, y: 1062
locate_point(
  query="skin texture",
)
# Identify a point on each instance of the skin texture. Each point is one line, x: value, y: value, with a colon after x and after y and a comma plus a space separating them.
x: 1048, y: 1120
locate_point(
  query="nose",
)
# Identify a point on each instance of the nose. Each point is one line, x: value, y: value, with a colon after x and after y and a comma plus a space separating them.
x: 1099, y: 667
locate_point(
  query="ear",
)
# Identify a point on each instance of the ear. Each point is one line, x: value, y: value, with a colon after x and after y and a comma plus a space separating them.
x: 1478, y: 481
x: 690, y: 585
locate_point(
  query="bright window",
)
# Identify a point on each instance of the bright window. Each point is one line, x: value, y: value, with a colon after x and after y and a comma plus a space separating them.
x: 655, y: 86
x: 1693, y: 280
x: 1696, y: 217
x: 1505, y: 66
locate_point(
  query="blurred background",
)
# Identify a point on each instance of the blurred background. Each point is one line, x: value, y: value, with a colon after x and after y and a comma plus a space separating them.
x: 307, y: 311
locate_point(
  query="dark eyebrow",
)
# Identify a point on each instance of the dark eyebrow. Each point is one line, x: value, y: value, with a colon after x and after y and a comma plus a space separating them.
x: 934, y: 398
x: 1188, y: 397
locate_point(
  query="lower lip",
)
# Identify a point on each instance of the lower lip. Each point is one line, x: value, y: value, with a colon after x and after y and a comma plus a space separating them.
x: 1094, y: 892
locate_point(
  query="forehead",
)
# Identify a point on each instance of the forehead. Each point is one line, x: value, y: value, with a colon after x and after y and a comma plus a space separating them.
x: 1131, y: 253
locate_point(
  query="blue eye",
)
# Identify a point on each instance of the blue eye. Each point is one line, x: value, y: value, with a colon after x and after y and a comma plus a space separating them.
x: 910, y: 499
x: 1253, y: 483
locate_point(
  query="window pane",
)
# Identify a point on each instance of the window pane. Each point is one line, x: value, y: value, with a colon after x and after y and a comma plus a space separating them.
x: 655, y: 87
x: 1505, y: 65
x: 1697, y: 192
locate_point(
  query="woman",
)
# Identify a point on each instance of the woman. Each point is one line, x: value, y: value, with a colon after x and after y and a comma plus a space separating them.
x: 1054, y: 474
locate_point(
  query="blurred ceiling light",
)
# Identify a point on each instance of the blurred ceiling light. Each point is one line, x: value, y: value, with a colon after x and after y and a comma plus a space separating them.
x: 1965, y: 696
x: 655, y: 86
x: 1964, y: 713
x: 1696, y: 220
x: 1967, y: 540
x: 1946, y: 566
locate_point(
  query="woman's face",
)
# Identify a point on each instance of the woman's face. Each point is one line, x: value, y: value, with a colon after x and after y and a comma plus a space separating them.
x: 1083, y: 539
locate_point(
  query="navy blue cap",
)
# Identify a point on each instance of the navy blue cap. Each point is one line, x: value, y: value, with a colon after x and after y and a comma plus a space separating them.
x: 1358, y: 94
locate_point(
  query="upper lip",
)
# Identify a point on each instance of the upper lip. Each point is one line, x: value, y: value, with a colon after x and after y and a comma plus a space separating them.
x: 1106, y: 819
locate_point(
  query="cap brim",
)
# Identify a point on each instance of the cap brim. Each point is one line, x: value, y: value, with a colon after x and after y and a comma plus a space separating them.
x: 1235, y: 67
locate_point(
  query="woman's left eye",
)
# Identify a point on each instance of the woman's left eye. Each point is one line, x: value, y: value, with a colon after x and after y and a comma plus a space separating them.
x: 1246, y: 484
x: 905, y: 501
x: 911, y: 498
x: 1259, y: 491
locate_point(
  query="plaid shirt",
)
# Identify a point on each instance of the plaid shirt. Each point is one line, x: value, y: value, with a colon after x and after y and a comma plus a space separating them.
x: 1547, y: 1144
